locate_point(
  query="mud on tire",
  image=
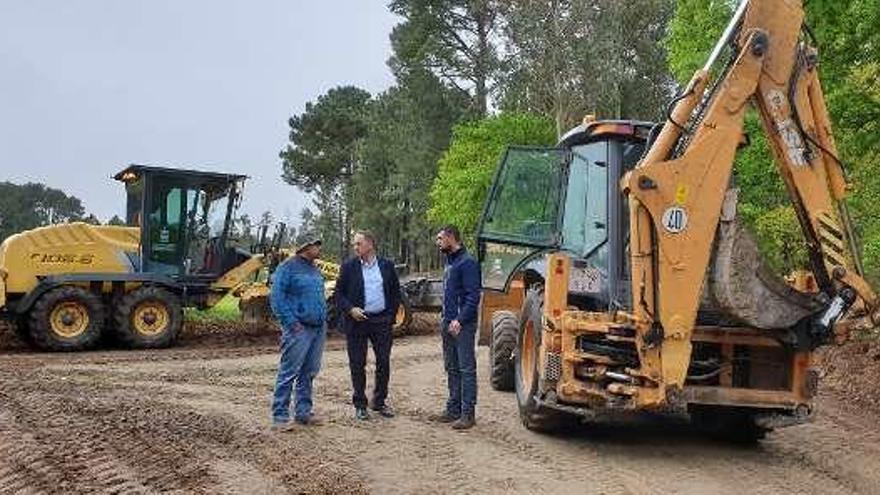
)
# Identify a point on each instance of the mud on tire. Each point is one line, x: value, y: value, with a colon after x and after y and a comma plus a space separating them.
x: 66, y: 318
x: 147, y: 318
x: 502, y: 344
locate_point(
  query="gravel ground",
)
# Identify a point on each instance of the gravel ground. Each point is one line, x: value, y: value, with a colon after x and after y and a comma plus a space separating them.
x: 194, y: 419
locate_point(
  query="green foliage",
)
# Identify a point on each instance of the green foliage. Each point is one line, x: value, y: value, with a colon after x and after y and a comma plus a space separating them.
x: 322, y: 156
x: 693, y: 31
x: 26, y: 206
x: 409, y: 128
x: 324, y: 138
x: 848, y: 36
x: 569, y: 58
x: 466, y: 169
x: 453, y: 39
x: 848, y: 33
x: 780, y: 238
x: 116, y: 221
x: 225, y: 310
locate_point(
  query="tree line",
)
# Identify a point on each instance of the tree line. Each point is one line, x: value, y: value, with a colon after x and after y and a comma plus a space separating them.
x: 31, y: 205
x: 473, y: 76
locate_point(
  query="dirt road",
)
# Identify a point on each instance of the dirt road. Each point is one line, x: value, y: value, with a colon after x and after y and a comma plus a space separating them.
x: 194, y: 419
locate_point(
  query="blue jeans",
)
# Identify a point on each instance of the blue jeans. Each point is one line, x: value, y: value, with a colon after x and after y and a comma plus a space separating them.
x: 301, y: 352
x: 460, y: 361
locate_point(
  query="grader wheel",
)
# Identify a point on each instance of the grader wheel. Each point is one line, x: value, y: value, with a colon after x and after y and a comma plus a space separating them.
x: 147, y: 318
x: 66, y: 318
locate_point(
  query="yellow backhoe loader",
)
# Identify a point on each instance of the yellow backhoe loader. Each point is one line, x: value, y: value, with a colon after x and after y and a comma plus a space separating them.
x: 641, y: 291
x: 66, y: 286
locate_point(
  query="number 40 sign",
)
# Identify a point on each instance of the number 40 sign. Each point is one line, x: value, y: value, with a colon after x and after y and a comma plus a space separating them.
x: 675, y: 219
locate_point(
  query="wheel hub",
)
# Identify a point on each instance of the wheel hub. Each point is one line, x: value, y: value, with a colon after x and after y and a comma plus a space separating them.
x: 151, y: 318
x: 69, y: 319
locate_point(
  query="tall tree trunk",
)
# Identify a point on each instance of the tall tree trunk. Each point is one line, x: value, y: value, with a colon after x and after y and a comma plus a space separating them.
x: 481, y: 68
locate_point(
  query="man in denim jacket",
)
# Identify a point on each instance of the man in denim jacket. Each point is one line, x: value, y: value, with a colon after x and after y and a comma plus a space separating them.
x: 297, y: 299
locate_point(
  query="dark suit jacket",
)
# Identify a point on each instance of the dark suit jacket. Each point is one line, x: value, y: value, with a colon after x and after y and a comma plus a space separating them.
x: 349, y: 291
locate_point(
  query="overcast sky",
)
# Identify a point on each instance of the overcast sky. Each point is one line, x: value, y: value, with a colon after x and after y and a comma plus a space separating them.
x: 88, y: 86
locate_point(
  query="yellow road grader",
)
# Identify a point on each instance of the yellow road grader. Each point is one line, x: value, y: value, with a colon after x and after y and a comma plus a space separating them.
x: 639, y: 288
x: 65, y: 287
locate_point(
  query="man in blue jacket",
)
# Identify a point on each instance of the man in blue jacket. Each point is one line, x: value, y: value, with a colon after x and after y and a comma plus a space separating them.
x: 461, y: 298
x: 297, y: 299
x: 367, y: 296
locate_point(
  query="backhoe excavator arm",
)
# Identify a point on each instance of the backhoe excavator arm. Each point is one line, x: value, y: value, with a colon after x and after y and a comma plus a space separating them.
x: 676, y: 192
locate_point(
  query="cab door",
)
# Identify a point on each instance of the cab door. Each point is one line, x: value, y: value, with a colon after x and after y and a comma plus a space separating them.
x: 522, y: 215
x: 163, y: 227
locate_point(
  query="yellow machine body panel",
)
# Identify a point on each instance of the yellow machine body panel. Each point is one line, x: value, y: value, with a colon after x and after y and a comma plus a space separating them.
x: 65, y: 249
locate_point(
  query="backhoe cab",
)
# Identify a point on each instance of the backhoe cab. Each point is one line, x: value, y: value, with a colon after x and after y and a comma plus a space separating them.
x: 642, y: 290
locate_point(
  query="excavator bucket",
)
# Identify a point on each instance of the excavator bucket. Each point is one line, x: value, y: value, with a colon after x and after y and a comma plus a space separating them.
x: 742, y: 287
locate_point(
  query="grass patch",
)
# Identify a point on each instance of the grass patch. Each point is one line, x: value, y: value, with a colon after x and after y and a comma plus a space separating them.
x: 225, y: 310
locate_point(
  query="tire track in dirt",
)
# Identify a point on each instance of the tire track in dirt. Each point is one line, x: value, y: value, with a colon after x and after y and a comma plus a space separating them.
x: 96, y: 440
x: 195, y: 420
x: 665, y: 457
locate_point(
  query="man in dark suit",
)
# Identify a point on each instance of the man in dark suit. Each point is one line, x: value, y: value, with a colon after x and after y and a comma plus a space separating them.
x: 367, y: 296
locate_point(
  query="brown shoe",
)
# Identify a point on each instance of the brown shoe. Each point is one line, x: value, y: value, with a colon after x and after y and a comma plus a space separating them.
x: 443, y: 417
x: 464, y: 423
x: 384, y: 411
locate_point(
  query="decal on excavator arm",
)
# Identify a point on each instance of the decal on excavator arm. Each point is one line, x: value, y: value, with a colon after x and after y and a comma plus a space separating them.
x: 794, y: 145
x: 675, y: 219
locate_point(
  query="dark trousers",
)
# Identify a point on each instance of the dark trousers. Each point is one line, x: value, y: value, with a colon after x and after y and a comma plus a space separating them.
x: 378, y: 333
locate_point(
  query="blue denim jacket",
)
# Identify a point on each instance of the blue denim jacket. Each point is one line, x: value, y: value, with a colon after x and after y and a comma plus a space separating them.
x: 462, y: 282
x: 297, y: 294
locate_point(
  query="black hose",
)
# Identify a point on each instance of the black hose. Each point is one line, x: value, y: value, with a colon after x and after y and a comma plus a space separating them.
x: 671, y: 106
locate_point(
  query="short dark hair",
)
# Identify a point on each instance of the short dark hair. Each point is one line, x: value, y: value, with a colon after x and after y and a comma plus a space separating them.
x: 451, y: 230
x: 369, y: 235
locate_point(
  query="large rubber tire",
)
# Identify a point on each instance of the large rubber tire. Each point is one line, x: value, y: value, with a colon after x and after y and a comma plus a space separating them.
x: 727, y: 424
x: 403, y: 318
x: 20, y: 325
x: 148, y: 318
x: 526, y: 377
x: 66, y: 318
x: 502, y: 344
